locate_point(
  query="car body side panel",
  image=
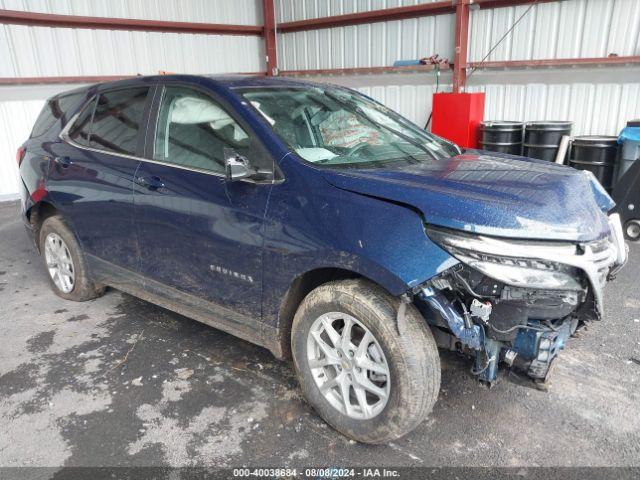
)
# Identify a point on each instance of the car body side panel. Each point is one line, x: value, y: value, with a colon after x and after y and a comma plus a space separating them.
x: 92, y: 190
x: 95, y: 194
x: 40, y: 150
x: 34, y: 170
x: 176, y: 300
x: 33, y: 192
x: 312, y: 225
x: 202, y: 235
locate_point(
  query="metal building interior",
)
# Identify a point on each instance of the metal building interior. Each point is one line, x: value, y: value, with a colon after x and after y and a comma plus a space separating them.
x: 572, y: 61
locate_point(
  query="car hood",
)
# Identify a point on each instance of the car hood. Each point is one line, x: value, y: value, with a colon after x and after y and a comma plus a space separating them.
x: 491, y: 194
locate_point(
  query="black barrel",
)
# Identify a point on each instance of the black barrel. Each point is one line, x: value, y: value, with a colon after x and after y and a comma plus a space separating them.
x: 541, y: 139
x: 598, y: 154
x: 502, y: 136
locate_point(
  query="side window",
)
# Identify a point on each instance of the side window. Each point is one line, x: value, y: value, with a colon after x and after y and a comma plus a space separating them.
x: 193, y: 131
x: 117, y: 119
x: 68, y: 104
x: 54, y: 109
x: 80, y: 131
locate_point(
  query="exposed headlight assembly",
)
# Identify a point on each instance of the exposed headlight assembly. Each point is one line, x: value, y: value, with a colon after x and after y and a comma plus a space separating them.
x: 518, y: 263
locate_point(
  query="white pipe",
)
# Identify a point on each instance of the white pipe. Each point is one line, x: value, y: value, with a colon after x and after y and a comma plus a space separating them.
x: 562, y: 149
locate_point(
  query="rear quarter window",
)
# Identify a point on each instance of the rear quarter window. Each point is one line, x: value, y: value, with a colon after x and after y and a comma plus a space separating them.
x: 80, y: 131
x: 54, y: 110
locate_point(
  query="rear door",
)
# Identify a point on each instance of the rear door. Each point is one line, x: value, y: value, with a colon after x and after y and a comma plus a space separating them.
x: 91, y: 173
x: 199, y: 233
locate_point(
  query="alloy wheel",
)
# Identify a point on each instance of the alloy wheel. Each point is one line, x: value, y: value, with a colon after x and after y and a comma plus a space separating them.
x: 348, y: 365
x: 59, y: 262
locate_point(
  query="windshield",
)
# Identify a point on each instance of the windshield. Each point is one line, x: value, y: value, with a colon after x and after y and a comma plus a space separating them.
x: 339, y: 128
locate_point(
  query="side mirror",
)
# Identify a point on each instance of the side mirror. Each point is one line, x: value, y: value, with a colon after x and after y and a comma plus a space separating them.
x: 237, y: 167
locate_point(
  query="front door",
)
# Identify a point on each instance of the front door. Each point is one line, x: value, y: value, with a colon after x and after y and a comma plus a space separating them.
x: 199, y: 233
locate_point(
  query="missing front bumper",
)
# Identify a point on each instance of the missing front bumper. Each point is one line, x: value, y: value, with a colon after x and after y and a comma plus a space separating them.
x: 523, y: 323
x: 497, y: 323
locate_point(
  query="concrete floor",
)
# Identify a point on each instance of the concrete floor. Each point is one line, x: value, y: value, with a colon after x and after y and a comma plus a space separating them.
x: 118, y: 381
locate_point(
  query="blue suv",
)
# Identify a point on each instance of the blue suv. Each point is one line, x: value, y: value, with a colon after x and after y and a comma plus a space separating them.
x: 316, y: 222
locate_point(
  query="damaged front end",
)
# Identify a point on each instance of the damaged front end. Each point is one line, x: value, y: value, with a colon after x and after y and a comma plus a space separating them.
x: 517, y: 301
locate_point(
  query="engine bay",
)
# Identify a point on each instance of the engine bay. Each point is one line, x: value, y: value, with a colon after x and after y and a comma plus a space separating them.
x: 497, y: 323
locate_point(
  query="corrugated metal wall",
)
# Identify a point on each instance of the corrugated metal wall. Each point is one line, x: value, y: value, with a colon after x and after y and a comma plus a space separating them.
x: 39, y: 51
x: 569, y: 29
x: 563, y: 29
x: 42, y: 51
x: 374, y: 45
x: 595, y: 106
x: 241, y: 12
x: 597, y: 100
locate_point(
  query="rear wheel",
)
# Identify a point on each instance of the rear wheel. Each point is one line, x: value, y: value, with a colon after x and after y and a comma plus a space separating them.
x: 65, y: 262
x: 369, y: 377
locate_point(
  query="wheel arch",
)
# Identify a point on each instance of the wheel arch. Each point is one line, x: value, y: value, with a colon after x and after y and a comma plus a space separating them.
x: 299, y: 288
x: 37, y: 214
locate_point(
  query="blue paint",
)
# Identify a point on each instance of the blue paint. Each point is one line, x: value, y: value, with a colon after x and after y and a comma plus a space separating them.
x: 542, y: 347
x: 486, y: 362
x: 472, y: 336
x: 406, y: 63
x: 369, y: 221
x: 486, y: 193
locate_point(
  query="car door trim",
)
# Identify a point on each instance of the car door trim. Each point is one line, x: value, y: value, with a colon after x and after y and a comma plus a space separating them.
x: 186, y: 304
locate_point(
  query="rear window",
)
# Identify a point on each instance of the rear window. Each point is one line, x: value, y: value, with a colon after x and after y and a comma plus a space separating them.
x: 111, y: 121
x: 55, y: 109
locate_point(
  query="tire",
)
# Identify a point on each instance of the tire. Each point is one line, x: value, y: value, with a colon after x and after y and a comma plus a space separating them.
x: 82, y: 288
x: 632, y: 230
x: 408, y: 351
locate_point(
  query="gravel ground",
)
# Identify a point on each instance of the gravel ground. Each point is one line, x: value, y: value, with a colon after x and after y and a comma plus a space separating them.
x: 118, y: 381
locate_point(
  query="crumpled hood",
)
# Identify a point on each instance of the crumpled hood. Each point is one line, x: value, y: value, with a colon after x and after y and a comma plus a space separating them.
x: 492, y: 194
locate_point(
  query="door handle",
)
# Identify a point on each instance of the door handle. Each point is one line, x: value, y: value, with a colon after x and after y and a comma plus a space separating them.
x: 152, y: 183
x: 64, y: 162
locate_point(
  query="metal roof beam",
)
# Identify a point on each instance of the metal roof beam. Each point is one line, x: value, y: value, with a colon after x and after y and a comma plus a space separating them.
x: 372, y: 16
x: 14, y: 17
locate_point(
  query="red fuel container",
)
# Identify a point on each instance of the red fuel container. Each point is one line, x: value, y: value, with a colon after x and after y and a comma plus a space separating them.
x: 457, y: 117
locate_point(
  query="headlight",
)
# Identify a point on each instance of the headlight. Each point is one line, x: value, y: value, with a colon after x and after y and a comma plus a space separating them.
x: 516, y: 263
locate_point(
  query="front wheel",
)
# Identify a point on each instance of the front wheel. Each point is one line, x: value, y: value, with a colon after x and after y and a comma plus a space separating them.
x: 370, y: 377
